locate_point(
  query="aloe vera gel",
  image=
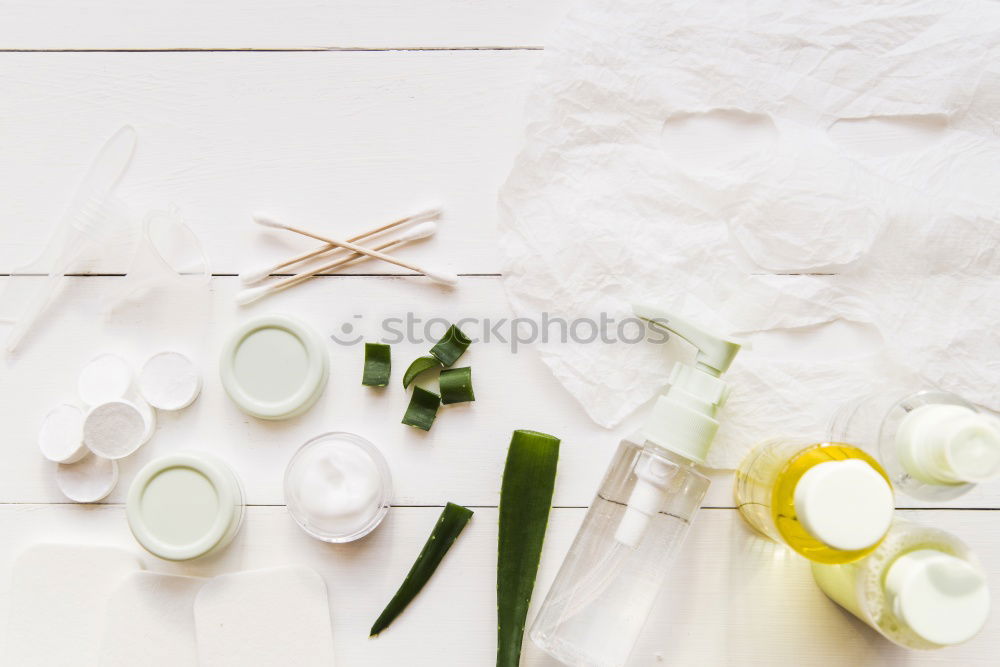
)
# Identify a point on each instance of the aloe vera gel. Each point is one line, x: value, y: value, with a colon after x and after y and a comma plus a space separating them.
x: 921, y: 588
x: 640, y: 516
x: 829, y: 502
x: 934, y: 445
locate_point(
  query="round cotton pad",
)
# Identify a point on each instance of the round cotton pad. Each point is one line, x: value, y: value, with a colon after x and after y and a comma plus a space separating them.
x: 61, y: 436
x: 88, y: 480
x: 117, y: 428
x: 169, y: 381
x: 105, y: 378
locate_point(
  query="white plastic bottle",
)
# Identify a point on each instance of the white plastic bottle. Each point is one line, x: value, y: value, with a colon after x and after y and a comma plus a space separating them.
x: 640, y: 517
x: 921, y: 588
x: 934, y: 445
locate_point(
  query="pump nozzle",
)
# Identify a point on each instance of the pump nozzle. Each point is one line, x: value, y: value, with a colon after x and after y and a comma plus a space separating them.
x: 715, y: 353
x: 682, y: 420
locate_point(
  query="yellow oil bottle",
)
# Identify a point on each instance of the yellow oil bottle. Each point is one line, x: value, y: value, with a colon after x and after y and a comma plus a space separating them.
x: 830, y: 502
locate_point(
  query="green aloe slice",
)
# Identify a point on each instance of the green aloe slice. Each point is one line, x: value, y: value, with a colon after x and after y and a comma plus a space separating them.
x: 456, y: 385
x: 422, y: 410
x: 378, y: 365
x: 525, y: 499
x: 419, y: 365
x: 451, y: 522
x: 451, y: 346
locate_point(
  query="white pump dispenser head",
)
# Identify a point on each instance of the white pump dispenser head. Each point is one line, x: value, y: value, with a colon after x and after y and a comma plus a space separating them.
x: 949, y: 444
x: 682, y: 419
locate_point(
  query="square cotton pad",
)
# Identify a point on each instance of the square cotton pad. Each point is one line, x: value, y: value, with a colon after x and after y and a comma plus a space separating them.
x: 58, y: 603
x: 264, y: 618
x: 150, y: 622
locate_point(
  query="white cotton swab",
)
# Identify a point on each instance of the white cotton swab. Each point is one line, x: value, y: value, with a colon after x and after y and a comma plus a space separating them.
x: 251, y: 294
x: 251, y: 277
x: 437, y: 276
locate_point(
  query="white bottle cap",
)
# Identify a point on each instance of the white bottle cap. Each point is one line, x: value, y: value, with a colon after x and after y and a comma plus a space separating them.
x: 949, y: 444
x: 846, y: 505
x: 942, y: 598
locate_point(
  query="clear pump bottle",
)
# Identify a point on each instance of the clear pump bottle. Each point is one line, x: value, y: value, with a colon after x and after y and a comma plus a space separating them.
x: 640, y: 517
x: 921, y: 588
x: 934, y: 445
x: 829, y: 502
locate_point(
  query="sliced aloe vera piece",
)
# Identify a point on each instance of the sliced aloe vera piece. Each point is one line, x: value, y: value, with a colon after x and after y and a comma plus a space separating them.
x: 419, y: 365
x: 451, y: 346
x: 422, y: 409
x: 378, y: 365
x: 525, y: 499
x: 456, y: 385
x: 451, y: 522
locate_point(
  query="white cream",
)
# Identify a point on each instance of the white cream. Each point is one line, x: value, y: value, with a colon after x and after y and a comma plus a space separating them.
x: 337, y: 487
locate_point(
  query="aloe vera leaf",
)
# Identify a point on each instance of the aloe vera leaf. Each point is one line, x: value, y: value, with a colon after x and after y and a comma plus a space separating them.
x: 525, y: 499
x: 378, y: 365
x: 451, y: 522
x: 419, y: 365
x: 456, y: 385
x: 451, y: 346
x: 422, y: 409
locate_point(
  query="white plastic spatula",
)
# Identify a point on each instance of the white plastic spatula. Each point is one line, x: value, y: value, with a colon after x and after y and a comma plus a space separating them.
x: 86, y: 222
x: 58, y: 603
x: 264, y: 618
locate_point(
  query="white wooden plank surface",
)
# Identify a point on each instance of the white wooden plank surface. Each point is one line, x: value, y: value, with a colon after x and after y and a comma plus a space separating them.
x: 332, y: 140
x: 339, y: 139
x: 460, y: 459
x: 275, y: 24
x: 736, y: 599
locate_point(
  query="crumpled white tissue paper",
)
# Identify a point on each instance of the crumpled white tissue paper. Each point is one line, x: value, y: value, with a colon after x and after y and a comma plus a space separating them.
x: 821, y: 179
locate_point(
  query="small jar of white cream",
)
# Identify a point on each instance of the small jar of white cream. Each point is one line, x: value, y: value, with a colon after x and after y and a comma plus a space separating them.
x: 338, y: 487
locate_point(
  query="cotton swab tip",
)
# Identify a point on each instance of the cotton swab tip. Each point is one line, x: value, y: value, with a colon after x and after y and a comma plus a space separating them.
x: 421, y: 231
x: 251, y: 294
x: 267, y: 221
x: 444, y: 277
x: 252, y: 277
x: 429, y: 213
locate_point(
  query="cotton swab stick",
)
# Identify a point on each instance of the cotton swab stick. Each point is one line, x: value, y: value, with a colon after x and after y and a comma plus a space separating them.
x: 251, y: 277
x: 251, y: 294
x: 437, y: 276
